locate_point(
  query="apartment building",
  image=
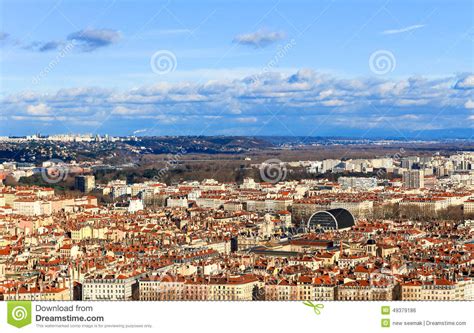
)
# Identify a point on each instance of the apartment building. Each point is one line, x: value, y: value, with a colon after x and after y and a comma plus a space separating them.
x: 84, y: 183
x: 283, y: 290
x: 358, y: 208
x: 110, y: 288
x: 231, y: 288
x: 362, y: 290
x: 167, y: 288
x: 469, y: 206
x: 38, y: 294
x: 305, y: 288
x: 360, y: 183
x: 413, y: 179
x: 436, y: 290
x: 31, y: 207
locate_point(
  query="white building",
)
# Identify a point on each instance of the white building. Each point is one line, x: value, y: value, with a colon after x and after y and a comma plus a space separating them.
x: 109, y: 288
x: 413, y: 179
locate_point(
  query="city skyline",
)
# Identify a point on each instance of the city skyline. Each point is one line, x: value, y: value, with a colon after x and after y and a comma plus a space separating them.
x: 390, y: 228
x: 174, y: 68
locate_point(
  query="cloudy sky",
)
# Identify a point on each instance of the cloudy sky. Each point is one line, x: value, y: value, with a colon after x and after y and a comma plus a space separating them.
x: 309, y: 68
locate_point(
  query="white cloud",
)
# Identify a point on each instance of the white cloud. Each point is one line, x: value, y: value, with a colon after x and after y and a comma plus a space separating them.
x: 410, y: 116
x: 402, y: 30
x: 121, y: 110
x: 260, y: 38
x: 411, y: 102
x: 38, y: 110
x: 241, y: 101
x: 469, y: 104
x: 138, y: 131
x: 246, y: 120
x: 333, y: 102
x: 326, y: 93
x: 92, y: 39
x: 466, y: 82
x: 86, y: 39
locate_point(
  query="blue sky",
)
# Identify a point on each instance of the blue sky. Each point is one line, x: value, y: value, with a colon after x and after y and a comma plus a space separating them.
x: 355, y: 68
